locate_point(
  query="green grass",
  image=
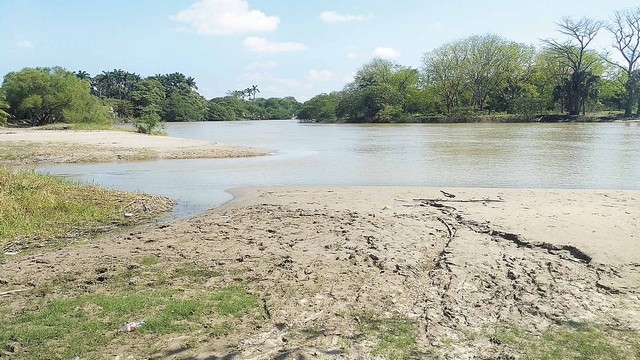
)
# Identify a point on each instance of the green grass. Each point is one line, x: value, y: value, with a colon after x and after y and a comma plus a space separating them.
x: 584, y: 341
x: 36, y: 208
x: 149, y: 260
x: 80, y: 326
x: 393, y: 338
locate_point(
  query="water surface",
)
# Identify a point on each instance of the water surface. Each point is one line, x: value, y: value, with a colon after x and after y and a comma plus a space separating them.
x: 600, y: 155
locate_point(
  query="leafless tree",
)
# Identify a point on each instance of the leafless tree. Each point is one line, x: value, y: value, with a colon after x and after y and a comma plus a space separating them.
x: 581, y: 33
x: 625, y: 28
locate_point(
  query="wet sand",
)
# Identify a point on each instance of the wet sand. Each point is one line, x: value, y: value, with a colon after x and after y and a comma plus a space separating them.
x: 319, y: 258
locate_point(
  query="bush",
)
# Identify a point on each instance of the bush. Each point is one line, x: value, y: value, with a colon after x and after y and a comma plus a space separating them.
x: 148, y: 123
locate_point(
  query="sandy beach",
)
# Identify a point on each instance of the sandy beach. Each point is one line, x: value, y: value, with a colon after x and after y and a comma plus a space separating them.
x: 33, y: 146
x: 321, y: 259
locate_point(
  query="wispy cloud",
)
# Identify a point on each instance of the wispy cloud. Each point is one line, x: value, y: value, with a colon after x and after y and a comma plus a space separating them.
x: 436, y: 26
x: 320, y: 75
x: 352, y: 55
x: 224, y: 17
x: 332, y: 17
x: 261, y: 45
x: 24, y: 44
x: 385, y: 53
x: 262, y: 65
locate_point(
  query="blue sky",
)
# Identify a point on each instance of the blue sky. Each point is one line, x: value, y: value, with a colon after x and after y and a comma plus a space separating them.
x: 288, y: 48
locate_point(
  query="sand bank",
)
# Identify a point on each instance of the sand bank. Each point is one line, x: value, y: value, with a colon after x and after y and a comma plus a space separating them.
x: 29, y: 146
x: 323, y: 259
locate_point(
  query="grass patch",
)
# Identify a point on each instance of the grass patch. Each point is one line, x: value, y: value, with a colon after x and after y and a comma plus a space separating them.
x: 37, y: 208
x: 582, y: 341
x: 149, y: 260
x: 393, y: 338
x: 80, y: 326
x: 194, y: 272
x: 234, y: 301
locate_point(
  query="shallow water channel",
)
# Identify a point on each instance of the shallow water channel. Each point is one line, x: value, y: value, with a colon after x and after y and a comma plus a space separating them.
x: 597, y: 155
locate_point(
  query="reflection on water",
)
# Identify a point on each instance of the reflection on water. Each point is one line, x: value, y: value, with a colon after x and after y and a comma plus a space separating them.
x: 453, y: 155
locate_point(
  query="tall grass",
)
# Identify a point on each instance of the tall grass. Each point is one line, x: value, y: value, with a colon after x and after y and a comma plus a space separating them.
x: 36, y: 208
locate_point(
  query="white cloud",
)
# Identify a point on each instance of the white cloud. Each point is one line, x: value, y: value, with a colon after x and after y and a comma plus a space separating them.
x: 332, y: 17
x: 352, y: 55
x: 262, y: 65
x: 320, y: 75
x: 385, y: 53
x: 436, y: 26
x: 262, y: 45
x: 223, y: 17
x: 25, y: 44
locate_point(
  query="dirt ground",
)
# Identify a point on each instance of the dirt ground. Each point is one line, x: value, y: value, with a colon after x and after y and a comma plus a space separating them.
x: 31, y: 146
x: 324, y: 261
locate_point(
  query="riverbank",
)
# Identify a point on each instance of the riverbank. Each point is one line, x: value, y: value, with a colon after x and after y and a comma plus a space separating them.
x: 32, y: 146
x: 345, y: 272
x: 497, y: 119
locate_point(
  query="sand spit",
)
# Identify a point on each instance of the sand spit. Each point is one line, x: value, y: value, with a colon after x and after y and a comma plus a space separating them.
x: 30, y: 146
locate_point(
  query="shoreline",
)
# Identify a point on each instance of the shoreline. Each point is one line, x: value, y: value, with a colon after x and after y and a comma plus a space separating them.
x: 39, y: 147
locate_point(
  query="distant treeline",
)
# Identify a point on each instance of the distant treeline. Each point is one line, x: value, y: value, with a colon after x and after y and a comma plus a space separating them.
x: 40, y: 96
x: 490, y: 77
x: 477, y: 78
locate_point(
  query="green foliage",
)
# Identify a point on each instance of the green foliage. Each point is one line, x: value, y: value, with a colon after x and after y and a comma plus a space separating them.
x: 47, y: 95
x: 4, y: 106
x: 219, y: 112
x: 378, y: 85
x: 184, y: 106
x: 147, y: 96
x: 148, y: 122
x: 234, y: 108
x: 115, y: 84
x: 321, y: 107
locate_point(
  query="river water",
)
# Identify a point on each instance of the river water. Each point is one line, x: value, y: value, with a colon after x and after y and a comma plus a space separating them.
x: 568, y: 155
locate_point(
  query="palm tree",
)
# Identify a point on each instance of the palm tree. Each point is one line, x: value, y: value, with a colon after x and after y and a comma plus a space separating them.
x: 254, y: 90
x: 191, y: 83
x: 82, y: 75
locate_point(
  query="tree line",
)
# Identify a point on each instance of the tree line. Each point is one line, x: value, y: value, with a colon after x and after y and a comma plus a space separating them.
x: 485, y: 75
x: 475, y: 77
x: 41, y: 96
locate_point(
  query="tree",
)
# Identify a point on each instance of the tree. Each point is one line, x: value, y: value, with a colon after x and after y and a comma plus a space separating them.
x: 148, y: 96
x: 254, y: 90
x: 4, y: 106
x: 573, y: 52
x: 47, y: 95
x: 625, y: 28
x: 184, y: 107
x: 378, y: 93
x: 444, y: 70
x: 320, y: 107
x: 219, y: 112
